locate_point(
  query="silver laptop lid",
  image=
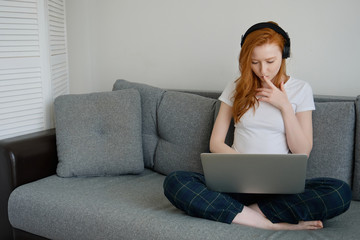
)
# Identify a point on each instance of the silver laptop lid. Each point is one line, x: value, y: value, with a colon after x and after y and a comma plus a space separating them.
x: 255, y: 173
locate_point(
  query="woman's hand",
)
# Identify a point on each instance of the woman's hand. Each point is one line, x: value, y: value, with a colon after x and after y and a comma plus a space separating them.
x: 273, y: 95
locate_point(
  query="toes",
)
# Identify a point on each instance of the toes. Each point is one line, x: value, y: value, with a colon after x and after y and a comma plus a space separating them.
x: 316, y: 224
x: 320, y: 224
x: 311, y: 225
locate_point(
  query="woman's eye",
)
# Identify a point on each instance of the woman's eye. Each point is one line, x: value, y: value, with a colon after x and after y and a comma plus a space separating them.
x: 270, y: 61
x: 254, y: 62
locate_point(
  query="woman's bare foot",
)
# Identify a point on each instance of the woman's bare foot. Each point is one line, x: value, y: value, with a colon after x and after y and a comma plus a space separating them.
x: 252, y: 216
x: 302, y: 225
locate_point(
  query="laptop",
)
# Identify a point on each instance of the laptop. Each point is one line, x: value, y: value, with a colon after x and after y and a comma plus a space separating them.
x: 255, y: 173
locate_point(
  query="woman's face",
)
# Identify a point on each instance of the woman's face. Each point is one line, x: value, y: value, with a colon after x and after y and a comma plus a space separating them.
x: 266, y: 61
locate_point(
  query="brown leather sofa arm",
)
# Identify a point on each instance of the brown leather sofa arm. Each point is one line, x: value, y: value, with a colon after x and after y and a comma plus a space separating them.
x: 24, y: 159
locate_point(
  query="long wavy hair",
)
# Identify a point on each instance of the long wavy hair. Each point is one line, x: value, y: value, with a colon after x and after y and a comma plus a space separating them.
x: 245, y: 93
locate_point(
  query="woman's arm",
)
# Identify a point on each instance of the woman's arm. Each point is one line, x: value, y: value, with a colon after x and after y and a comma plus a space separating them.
x: 299, y: 132
x: 219, y: 132
x: 298, y: 127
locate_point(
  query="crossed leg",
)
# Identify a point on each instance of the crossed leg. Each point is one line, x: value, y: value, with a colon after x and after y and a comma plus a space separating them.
x: 323, y: 199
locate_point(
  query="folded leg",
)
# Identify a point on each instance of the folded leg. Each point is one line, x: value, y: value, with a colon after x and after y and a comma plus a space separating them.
x: 323, y: 198
x: 188, y: 192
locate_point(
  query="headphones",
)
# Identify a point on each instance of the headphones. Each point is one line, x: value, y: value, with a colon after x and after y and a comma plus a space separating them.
x: 276, y: 28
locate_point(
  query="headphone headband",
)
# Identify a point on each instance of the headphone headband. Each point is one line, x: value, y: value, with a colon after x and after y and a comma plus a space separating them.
x: 276, y: 28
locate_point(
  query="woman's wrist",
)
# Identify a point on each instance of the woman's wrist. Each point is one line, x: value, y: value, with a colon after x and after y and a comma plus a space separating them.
x: 287, y: 108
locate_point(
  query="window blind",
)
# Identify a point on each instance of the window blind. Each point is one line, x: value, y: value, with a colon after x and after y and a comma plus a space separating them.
x: 58, y: 48
x: 28, y: 39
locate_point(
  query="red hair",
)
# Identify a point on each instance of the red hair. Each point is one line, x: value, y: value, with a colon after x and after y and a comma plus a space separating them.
x: 246, y: 85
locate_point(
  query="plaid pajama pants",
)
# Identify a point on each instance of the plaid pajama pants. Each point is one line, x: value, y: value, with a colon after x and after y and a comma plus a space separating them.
x: 323, y: 198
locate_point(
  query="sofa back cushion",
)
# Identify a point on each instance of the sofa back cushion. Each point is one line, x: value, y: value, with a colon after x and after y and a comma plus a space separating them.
x: 185, y: 123
x: 356, y: 181
x: 333, y: 148
x: 176, y: 127
x: 150, y: 101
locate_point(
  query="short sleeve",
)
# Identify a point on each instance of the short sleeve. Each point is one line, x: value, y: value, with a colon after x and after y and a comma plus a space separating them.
x: 228, y: 93
x: 306, y: 102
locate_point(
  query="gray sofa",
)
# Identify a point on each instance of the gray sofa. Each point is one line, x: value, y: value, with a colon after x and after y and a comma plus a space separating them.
x: 44, y: 195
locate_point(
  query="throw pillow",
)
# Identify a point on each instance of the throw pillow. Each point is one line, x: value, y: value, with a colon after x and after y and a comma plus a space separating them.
x: 99, y: 134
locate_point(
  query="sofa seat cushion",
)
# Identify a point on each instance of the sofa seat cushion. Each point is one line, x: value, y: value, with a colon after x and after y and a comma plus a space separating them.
x: 134, y: 207
x: 99, y: 134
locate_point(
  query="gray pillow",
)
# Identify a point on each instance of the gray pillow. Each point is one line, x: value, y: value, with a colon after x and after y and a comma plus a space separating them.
x: 185, y: 122
x: 99, y: 134
x: 333, y: 124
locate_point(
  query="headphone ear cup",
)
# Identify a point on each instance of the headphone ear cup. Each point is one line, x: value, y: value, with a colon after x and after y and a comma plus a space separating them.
x: 286, y: 52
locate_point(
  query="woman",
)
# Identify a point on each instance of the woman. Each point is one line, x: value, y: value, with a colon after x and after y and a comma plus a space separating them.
x: 272, y: 114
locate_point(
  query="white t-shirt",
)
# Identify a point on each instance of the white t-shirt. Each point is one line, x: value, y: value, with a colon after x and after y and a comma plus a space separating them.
x: 263, y: 131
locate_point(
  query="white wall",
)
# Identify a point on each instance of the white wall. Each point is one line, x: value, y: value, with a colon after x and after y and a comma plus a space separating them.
x: 194, y: 44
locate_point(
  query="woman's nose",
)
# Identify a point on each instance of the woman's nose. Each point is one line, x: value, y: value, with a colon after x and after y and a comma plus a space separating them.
x: 262, y: 69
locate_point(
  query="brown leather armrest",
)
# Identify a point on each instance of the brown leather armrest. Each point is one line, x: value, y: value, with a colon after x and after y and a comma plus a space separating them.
x: 31, y: 157
x: 24, y: 159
